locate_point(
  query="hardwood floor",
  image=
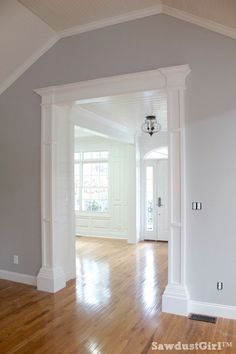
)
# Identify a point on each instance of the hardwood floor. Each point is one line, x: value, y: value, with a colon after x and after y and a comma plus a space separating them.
x: 113, y: 307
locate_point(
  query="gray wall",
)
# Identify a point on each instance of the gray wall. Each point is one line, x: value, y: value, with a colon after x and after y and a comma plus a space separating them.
x: 139, y: 45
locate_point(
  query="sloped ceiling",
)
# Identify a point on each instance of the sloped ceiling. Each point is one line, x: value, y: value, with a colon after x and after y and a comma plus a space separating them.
x: 28, y: 28
x: 22, y: 36
x: 64, y: 14
x: 220, y: 11
x: 61, y: 15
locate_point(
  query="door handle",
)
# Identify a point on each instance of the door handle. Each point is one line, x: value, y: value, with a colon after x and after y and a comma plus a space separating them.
x: 159, y: 204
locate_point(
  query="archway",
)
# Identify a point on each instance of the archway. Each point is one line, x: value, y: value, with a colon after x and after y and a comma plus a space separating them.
x: 57, y: 222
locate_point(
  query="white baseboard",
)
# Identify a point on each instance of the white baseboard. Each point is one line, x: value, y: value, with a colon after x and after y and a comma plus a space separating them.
x: 70, y: 276
x: 172, y: 302
x: 175, y: 300
x: 211, y: 309
x: 17, y: 277
x: 51, y: 279
x: 101, y: 235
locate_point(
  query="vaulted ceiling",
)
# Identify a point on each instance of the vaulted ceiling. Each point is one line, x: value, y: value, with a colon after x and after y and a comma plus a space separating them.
x: 23, y: 36
x: 28, y: 28
x: 61, y: 15
x: 64, y: 14
x: 219, y: 11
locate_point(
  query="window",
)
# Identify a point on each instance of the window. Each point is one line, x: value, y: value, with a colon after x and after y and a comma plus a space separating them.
x: 91, y: 181
x: 161, y: 153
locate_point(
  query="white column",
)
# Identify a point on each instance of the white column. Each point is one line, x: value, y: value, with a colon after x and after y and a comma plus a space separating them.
x: 51, y: 276
x: 175, y: 298
x: 138, y: 187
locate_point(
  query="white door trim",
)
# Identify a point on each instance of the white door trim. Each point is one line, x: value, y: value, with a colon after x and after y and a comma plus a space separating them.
x: 52, y: 275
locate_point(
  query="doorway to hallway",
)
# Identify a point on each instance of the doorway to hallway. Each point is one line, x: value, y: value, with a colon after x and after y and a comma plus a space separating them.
x: 57, y: 159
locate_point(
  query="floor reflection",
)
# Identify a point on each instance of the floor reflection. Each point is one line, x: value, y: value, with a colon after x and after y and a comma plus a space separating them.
x: 109, y: 271
x: 149, y: 287
x: 93, y: 285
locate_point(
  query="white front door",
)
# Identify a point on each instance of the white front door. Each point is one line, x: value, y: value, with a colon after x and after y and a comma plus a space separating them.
x: 156, y: 200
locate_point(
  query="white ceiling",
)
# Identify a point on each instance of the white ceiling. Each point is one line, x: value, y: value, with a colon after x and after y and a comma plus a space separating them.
x: 160, y: 154
x: 130, y: 109
x: 86, y: 133
x: 64, y: 14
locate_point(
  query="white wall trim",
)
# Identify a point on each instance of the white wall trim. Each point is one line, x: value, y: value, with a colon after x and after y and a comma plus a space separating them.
x: 112, y: 235
x: 174, y: 77
x: 130, y: 16
x: 27, y: 64
x: 51, y: 279
x: 172, y: 80
x: 199, y: 21
x: 176, y: 299
x: 61, y: 94
x: 154, y: 10
x: 18, y: 277
x: 211, y: 309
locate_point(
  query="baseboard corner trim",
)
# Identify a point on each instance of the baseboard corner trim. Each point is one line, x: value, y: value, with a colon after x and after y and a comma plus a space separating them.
x: 51, y: 280
x: 175, y: 300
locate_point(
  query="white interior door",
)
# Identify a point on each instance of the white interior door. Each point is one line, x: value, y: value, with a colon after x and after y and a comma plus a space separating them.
x: 156, y: 200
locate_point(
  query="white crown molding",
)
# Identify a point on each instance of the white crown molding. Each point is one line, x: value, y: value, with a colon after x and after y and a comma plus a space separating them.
x: 211, y: 309
x: 158, y: 9
x: 199, y: 21
x: 154, y: 10
x: 27, y: 64
x: 17, y: 277
x: 130, y: 16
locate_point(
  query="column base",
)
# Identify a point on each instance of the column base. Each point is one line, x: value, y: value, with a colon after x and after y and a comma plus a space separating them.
x: 51, y: 279
x: 175, y: 300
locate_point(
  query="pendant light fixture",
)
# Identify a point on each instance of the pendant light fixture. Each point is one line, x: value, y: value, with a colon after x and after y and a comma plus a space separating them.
x: 151, y: 126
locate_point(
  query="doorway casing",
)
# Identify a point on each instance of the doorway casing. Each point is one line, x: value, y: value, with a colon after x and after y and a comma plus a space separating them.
x: 56, y: 192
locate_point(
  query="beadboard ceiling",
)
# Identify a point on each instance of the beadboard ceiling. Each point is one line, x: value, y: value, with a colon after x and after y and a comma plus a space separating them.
x: 65, y: 14
x: 130, y: 109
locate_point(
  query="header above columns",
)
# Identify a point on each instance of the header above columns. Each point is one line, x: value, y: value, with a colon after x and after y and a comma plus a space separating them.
x: 159, y: 79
